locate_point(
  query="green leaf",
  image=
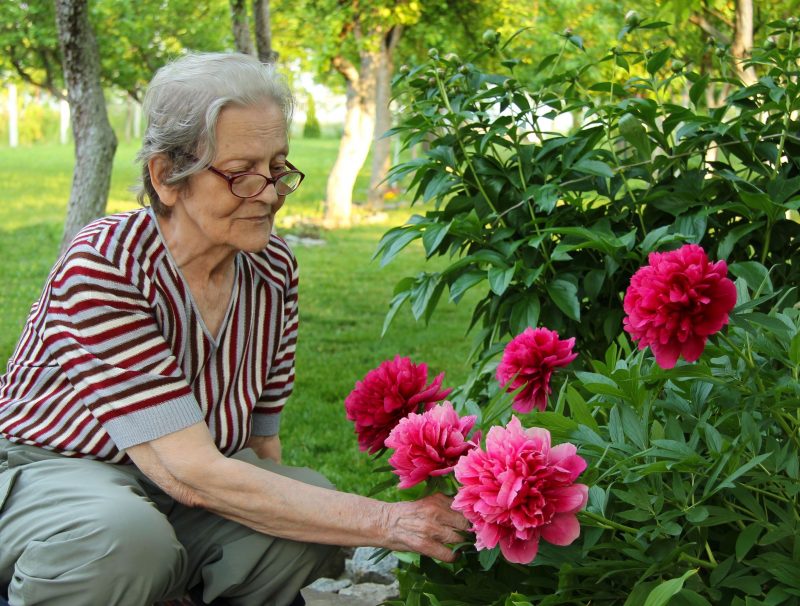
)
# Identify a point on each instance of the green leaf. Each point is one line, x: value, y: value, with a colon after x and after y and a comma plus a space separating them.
x: 594, y: 167
x: 464, y: 282
x: 698, y: 89
x: 500, y: 278
x: 747, y: 538
x: 634, y: 133
x: 487, y: 557
x: 525, y: 313
x: 755, y: 274
x: 661, y: 594
x: 565, y: 295
x: 394, y: 241
x: 433, y: 235
x: 657, y: 61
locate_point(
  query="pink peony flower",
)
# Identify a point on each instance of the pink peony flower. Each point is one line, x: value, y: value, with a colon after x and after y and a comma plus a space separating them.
x: 676, y: 302
x: 529, y: 360
x: 386, y: 395
x: 520, y: 490
x: 429, y: 444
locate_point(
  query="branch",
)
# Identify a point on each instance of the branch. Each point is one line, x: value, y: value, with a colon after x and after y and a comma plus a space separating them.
x: 346, y: 68
x: 47, y: 84
x: 708, y: 28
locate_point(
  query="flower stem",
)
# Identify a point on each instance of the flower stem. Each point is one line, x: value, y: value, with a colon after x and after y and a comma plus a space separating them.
x: 606, y: 523
x: 697, y: 561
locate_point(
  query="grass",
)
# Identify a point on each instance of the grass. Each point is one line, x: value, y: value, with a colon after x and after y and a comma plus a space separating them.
x: 343, y: 297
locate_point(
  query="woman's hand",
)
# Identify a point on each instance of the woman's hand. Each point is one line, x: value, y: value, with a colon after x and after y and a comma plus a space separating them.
x: 425, y: 526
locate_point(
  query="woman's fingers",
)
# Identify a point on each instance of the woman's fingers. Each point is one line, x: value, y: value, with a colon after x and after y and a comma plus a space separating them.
x: 427, y: 526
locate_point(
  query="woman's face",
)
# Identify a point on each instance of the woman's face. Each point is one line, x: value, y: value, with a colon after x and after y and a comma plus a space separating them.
x: 249, y: 139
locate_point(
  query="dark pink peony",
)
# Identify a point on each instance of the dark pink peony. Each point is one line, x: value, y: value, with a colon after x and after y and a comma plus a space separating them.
x: 520, y: 490
x: 676, y: 302
x: 429, y: 444
x: 529, y: 360
x: 386, y: 395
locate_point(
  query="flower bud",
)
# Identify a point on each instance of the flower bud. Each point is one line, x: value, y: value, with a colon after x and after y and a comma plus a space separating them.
x: 433, y: 53
x: 431, y: 81
x: 770, y: 43
x: 464, y: 70
x: 452, y: 58
x: 677, y: 66
x: 632, y: 19
x: 791, y: 24
x: 440, y: 72
x: 490, y: 37
x: 720, y: 51
x: 404, y: 69
x: 567, y: 32
x: 648, y: 53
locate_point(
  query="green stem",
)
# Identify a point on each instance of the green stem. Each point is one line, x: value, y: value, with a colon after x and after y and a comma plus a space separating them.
x: 449, y: 108
x: 750, y: 364
x: 697, y: 561
x: 778, y: 416
x: 606, y: 523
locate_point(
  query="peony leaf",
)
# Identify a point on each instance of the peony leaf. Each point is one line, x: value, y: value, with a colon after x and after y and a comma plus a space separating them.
x: 661, y: 594
x: 565, y: 295
x: 755, y: 274
x: 488, y: 557
x: 747, y: 538
x: 500, y: 278
x: 594, y: 167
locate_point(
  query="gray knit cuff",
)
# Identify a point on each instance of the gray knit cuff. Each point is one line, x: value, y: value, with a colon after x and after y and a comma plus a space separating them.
x: 266, y: 424
x: 153, y: 422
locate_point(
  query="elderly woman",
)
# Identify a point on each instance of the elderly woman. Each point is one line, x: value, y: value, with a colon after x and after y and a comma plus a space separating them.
x: 139, y: 415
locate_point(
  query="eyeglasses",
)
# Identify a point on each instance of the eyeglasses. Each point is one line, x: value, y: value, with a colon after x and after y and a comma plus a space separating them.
x: 249, y: 185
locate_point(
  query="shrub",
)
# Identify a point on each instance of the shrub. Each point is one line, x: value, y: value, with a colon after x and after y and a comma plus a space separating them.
x: 556, y: 223
x: 693, y: 467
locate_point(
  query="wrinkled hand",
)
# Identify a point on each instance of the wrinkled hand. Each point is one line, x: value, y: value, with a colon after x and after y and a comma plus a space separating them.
x: 425, y: 526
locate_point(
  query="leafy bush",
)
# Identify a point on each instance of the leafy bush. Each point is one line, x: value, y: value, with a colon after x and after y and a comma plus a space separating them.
x: 556, y: 223
x: 694, y: 471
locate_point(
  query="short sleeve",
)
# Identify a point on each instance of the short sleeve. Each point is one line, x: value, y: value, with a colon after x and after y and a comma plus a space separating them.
x: 105, y: 337
x: 280, y: 380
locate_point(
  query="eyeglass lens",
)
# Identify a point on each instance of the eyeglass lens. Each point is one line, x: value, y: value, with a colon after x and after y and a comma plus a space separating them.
x: 252, y: 185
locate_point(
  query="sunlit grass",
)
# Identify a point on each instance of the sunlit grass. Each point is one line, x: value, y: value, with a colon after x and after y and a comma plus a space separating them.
x: 343, y: 296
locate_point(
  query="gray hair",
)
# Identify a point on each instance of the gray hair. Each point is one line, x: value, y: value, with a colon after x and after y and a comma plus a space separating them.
x: 182, y: 106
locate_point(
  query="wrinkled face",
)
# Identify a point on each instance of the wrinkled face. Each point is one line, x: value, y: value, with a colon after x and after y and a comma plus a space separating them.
x: 249, y: 139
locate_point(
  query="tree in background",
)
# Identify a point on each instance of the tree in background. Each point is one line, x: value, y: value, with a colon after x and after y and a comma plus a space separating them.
x: 311, y: 129
x: 129, y: 48
x: 240, y: 25
x: 95, y: 142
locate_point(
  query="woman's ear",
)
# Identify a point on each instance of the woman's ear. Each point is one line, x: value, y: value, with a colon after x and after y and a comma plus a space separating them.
x: 160, y: 167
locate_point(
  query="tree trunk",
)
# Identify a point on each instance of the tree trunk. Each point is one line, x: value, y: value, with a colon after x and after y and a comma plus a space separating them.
x: 241, y: 27
x: 359, y: 127
x: 95, y: 142
x: 13, y: 116
x: 263, y: 32
x: 743, y: 40
x: 381, y: 148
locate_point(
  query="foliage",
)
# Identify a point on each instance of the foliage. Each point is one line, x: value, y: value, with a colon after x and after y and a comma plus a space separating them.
x: 554, y: 224
x: 694, y: 471
x: 311, y: 129
x: 133, y: 41
x: 693, y: 474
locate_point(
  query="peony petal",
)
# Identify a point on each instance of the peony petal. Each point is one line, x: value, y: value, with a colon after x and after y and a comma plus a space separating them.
x: 519, y: 552
x: 562, y: 530
x: 568, y: 499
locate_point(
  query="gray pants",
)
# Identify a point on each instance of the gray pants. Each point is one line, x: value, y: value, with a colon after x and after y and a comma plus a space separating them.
x: 85, y: 533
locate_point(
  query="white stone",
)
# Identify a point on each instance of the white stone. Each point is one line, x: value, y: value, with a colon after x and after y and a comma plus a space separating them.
x: 373, y: 593
x: 363, y: 569
x: 330, y: 585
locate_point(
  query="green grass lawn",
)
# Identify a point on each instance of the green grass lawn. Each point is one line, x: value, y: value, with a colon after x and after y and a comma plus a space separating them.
x: 343, y: 296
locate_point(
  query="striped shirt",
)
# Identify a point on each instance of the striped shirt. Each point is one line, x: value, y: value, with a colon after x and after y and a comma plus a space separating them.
x: 115, y: 353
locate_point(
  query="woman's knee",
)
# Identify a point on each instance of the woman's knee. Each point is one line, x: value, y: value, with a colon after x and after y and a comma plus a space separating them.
x: 115, y: 552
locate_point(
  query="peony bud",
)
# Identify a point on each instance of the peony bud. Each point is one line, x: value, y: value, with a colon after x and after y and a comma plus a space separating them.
x: 490, y: 37
x: 632, y: 19
x: 433, y: 53
x: 677, y: 66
